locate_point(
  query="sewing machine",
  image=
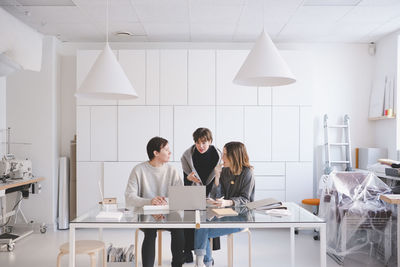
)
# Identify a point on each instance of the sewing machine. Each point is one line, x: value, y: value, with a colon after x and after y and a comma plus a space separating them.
x: 13, y: 168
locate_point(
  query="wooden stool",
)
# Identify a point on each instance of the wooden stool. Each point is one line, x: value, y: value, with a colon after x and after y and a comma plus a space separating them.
x: 89, y: 247
x: 230, y: 246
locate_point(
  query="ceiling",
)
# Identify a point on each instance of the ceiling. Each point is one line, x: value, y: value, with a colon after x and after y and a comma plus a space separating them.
x: 210, y: 20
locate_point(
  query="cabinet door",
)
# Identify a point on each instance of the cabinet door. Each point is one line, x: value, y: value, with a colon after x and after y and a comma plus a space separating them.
x: 83, y: 133
x: 133, y: 62
x: 88, y: 176
x: 228, y: 93
x: 84, y: 62
x: 103, y: 133
x: 201, y: 77
x: 136, y: 125
x: 173, y: 77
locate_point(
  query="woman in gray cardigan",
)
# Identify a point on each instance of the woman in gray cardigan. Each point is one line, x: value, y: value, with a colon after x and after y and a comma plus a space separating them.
x: 233, y: 186
x: 198, y: 164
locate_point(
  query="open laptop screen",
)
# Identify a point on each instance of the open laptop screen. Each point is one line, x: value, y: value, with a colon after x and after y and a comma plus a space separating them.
x: 187, y: 197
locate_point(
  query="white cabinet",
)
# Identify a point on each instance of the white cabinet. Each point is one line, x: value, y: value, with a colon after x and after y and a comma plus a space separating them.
x: 116, y: 176
x: 268, y: 168
x: 201, y: 77
x: 152, y: 77
x: 136, y: 126
x: 167, y: 127
x: 266, y: 183
x: 299, y: 181
x: 173, y: 77
x: 300, y: 92
x: 186, y: 120
x: 306, y: 134
x: 257, y: 132
x: 88, y: 176
x: 103, y: 133
x: 229, y: 129
x: 285, y: 133
x: 83, y: 133
x: 84, y: 62
x: 133, y: 62
x: 228, y: 93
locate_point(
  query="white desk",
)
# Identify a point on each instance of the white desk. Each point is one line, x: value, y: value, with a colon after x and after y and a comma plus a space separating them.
x: 299, y: 218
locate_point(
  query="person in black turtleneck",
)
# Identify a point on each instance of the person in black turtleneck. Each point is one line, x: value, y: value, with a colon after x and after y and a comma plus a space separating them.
x: 198, y: 163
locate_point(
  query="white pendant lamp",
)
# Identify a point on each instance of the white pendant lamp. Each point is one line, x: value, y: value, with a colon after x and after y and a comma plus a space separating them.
x: 264, y: 66
x: 106, y: 79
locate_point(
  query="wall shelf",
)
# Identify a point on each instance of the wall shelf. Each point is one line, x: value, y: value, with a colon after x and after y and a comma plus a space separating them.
x: 382, y: 118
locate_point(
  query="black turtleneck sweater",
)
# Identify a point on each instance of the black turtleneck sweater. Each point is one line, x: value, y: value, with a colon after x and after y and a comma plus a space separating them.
x: 204, y: 164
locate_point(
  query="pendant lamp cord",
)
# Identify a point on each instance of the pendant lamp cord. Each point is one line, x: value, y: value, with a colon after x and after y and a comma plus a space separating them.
x: 107, y: 21
x: 263, y: 11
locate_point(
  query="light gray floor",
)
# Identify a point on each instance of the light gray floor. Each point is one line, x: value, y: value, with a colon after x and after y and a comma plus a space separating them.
x: 270, y: 248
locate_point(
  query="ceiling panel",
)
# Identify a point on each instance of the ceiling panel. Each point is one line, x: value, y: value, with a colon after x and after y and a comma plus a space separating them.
x: 372, y: 14
x: 219, y: 32
x: 324, y: 14
x: 212, y: 20
x: 167, y: 31
x: 162, y: 13
x: 75, y: 32
x: 123, y: 12
x: 216, y: 14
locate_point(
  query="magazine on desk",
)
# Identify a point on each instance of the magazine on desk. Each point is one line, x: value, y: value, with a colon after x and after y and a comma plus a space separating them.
x: 265, y: 204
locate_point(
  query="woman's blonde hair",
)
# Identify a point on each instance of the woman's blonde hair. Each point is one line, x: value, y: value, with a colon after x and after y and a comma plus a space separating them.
x: 237, y: 155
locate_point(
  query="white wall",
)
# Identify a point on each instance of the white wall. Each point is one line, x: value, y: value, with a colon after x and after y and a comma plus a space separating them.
x: 32, y: 114
x: 342, y: 86
x: 2, y: 115
x: 342, y: 81
x: 386, y: 64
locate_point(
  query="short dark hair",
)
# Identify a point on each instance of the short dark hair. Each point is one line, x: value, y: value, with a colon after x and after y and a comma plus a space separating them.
x: 202, y: 133
x: 155, y: 144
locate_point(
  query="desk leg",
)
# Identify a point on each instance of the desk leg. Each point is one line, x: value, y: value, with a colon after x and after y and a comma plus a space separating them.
x: 322, y: 245
x: 71, y: 245
x: 398, y: 235
x: 292, y: 246
x: 3, y: 206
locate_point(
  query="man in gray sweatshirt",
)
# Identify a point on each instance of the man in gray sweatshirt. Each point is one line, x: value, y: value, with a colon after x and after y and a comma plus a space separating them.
x: 148, y: 185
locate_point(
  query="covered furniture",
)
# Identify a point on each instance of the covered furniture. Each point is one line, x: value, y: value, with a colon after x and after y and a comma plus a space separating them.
x: 357, y: 220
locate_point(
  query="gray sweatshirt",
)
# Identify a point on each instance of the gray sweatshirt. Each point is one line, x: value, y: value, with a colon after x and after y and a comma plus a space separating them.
x: 238, y: 188
x: 146, y: 182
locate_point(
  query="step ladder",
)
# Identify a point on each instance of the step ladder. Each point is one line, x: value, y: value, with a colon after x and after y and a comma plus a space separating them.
x: 329, y: 163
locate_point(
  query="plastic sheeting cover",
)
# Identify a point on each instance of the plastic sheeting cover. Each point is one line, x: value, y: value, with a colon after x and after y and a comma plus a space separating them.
x: 357, y: 220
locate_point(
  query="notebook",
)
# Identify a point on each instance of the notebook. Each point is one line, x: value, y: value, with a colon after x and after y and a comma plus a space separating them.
x: 109, y: 215
x: 225, y: 212
x: 265, y: 204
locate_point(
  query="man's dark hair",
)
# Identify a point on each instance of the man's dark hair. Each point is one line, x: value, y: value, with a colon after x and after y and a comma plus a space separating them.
x: 202, y: 134
x: 155, y: 144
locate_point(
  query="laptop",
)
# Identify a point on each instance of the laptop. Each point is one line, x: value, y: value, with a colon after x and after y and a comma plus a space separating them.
x: 187, y: 197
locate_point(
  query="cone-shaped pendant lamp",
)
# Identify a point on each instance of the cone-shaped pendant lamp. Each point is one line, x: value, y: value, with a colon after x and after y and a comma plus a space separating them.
x: 264, y: 66
x: 106, y: 79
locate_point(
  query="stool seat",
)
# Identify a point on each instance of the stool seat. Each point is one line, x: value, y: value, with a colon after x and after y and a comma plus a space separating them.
x: 83, y: 246
x: 311, y: 201
x: 89, y: 247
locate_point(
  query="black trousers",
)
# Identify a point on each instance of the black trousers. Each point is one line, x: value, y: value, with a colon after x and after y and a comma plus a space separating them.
x: 149, y: 247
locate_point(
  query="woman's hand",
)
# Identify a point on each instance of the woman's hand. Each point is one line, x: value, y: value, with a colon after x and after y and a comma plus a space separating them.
x: 221, y: 202
x: 158, y: 201
x: 192, y: 177
x: 218, y: 170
